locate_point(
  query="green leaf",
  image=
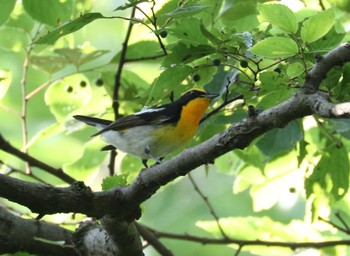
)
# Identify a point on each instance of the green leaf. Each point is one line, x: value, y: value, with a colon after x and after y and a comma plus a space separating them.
x: 295, y: 69
x: 131, y: 166
x: 130, y: 4
x: 252, y: 156
x: 219, y: 82
x: 335, y: 165
x: 50, y: 12
x: 275, y: 97
x: 68, y: 27
x: 5, y: 11
x: 206, y: 75
x: 329, y: 41
x: 162, y: 12
x: 279, y: 178
x: 20, y: 19
x: 186, y: 11
x: 317, y: 26
x: 332, y: 79
x: 45, y: 133
x: 77, y: 56
x: 114, y: 181
x: 13, y: 39
x: 137, y: 51
x: 279, y: 15
x: 228, y: 164
x: 302, y: 152
x: 67, y: 95
x: 279, y: 141
x: 343, y: 90
x: 170, y: 80
x: 274, y: 89
x: 181, y: 54
x: 49, y: 64
x: 133, y: 86
x: 5, y: 82
x: 212, y: 38
x: 341, y: 126
x: 240, y: 10
x: 275, y: 47
x: 88, y: 161
x: 189, y: 32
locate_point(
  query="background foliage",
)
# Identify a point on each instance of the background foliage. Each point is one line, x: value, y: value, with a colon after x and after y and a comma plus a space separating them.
x: 59, y: 58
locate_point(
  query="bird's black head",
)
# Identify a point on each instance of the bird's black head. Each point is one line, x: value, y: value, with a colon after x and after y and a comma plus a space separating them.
x: 194, y: 94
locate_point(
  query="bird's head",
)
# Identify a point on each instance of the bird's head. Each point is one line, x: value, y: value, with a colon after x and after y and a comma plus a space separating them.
x: 196, y: 95
x: 194, y: 103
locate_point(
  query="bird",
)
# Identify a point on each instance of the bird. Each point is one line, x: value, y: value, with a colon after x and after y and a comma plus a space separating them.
x: 154, y: 132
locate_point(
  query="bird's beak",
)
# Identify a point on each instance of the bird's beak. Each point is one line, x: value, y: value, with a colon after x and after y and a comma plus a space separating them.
x: 210, y: 96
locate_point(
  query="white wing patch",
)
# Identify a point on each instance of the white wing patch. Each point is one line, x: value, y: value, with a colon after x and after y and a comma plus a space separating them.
x: 148, y: 110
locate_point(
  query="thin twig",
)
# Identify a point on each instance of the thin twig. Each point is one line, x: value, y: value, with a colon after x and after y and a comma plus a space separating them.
x: 7, y: 147
x: 225, y: 103
x: 338, y: 143
x: 156, y: 28
x: 256, y: 242
x: 13, y: 170
x: 240, y: 247
x: 145, y: 58
x: 345, y: 230
x: 340, y: 218
x: 149, y: 236
x: 117, y: 85
x: 210, y: 207
x: 24, y: 105
x: 322, y: 5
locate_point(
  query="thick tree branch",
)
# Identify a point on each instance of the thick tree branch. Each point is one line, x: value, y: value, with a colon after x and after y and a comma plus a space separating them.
x: 324, y: 108
x: 112, y: 238
x: 17, y: 234
x: 124, y: 235
x: 336, y: 57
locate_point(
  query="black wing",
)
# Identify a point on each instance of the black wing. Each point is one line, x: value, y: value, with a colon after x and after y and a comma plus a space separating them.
x: 147, y: 117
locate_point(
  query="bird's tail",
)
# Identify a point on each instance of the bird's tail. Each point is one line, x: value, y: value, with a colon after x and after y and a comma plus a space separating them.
x: 97, y: 122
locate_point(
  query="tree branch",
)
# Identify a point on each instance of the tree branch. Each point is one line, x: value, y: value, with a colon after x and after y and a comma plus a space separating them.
x: 207, y: 203
x: 242, y: 243
x: 17, y: 234
x: 336, y: 57
x: 7, y: 147
x: 149, y: 236
x: 117, y: 85
x: 111, y: 239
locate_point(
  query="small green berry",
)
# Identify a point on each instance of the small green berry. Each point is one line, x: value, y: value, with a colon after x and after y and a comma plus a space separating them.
x: 163, y: 34
x: 244, y: 63
x: 69, y: 88
x: 292, y: 190
x: 196, y: 77
x: 82, y: 83
x: 277, y: 70
x: 216, y: 62
x: 99, y: 82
